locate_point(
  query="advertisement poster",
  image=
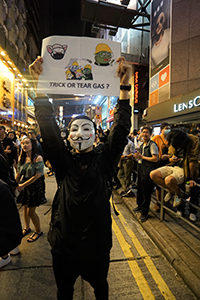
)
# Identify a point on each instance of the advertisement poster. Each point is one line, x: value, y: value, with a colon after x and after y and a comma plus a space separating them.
x: 79, y: 65
x: 160, y: 35
x: 159, y: 89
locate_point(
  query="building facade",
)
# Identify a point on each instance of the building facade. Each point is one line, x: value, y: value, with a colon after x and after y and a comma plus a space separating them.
x: 20, y: 39
x: 182, y: 105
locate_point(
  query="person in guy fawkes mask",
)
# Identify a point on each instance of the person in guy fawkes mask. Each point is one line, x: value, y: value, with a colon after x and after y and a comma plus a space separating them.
x: 183, y: 157
x: 80, y: 232
x: 81, y: 133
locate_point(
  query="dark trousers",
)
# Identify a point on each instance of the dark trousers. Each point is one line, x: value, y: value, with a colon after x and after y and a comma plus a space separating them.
x: 67, y: 270
x: 124, y: 173
x: 145, y: 188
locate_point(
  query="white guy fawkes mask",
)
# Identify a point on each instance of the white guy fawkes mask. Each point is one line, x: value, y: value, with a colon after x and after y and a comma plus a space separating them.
x: 81, y: 134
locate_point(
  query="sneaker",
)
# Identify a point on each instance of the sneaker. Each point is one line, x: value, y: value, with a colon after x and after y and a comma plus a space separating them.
x: 50, y: 174
x: 177, y: 201
x: 15, y: 251
x: 137, y: 208
x: 129, y: 193
x: 122, y: 193
x: 179, y: 213
x: 169, y: 196
x: 5, y: 261
x: 192, y: 217
x: 143, y: 218
x: 156, y: 207
x: 134, y: 186
x: 43, y: 201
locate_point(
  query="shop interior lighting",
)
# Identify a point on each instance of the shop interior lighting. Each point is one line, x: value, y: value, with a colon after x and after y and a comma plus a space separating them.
x: 9, y: 62
x: 2, y: 53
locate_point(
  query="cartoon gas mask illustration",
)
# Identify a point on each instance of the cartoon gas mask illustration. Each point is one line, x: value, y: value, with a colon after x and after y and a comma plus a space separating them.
x: 57, y: 51
x: 103, y: 55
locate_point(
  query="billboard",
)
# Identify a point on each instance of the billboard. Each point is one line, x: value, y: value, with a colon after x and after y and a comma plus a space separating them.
x: 160, y: 48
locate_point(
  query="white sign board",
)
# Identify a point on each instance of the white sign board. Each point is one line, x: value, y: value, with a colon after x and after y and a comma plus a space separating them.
x: 79, y: 65
x: 133, y: 4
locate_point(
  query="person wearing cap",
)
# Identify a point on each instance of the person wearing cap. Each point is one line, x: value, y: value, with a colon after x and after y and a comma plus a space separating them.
x: 80, y: 233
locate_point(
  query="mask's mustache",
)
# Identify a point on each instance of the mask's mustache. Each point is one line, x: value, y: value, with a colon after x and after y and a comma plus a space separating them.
x: 80, y: 139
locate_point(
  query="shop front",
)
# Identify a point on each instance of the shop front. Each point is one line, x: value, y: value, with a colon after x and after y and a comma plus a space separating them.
x: 183, y: 110
x: 13, y: 94
x: 7, y: 95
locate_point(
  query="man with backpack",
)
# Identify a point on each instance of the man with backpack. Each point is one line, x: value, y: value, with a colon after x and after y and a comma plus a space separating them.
x: 80, y: 231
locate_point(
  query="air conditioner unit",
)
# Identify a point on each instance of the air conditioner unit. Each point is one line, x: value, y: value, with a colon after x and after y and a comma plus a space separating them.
x: 9, y: 3
x: 25, y: 46
x: 24, y: 30
x: 16, y: 12
x: 9, y: 23
x: 16, y: 29
x: 19, y: 43
x: 5, y: 6
x: 94, y: 29
x: 112, y: 32
x: 5, y: 31
x: 16, y: 49
x: 19, y: 23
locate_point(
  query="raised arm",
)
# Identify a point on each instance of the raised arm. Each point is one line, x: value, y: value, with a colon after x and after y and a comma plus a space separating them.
x: 53, y: 145
x: 121, y: 126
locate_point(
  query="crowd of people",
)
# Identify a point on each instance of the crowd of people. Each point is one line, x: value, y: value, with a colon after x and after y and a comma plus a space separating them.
x: 87, y: 163
x: 22, y: 173
x: 167, y: 160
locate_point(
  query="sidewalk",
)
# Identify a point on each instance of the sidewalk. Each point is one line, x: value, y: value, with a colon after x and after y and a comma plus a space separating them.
x: 184, y: 259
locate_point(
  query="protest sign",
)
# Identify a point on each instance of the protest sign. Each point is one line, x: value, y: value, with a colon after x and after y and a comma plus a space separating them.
x: 79, y: 65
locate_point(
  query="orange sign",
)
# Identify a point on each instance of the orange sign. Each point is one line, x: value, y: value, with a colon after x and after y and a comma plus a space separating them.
x: 136, y: 87
x: 164, y: 76
x: 153, y: 99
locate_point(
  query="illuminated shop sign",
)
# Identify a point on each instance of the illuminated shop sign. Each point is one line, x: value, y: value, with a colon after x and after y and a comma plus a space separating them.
x: 187, y: 105
x: 136, y: 86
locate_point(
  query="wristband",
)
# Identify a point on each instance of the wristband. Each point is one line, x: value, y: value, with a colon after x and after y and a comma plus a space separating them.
x: 125, y: 87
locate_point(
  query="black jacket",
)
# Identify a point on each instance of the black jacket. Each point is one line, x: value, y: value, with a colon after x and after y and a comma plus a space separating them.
x: 147, y: 166
x: 83, y: 214
x: 10, y: 225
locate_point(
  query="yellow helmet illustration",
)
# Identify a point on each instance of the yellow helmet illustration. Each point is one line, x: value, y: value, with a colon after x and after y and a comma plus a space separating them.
x: 88, y: 67
x: 102, y: 47
x: 75, y: 63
